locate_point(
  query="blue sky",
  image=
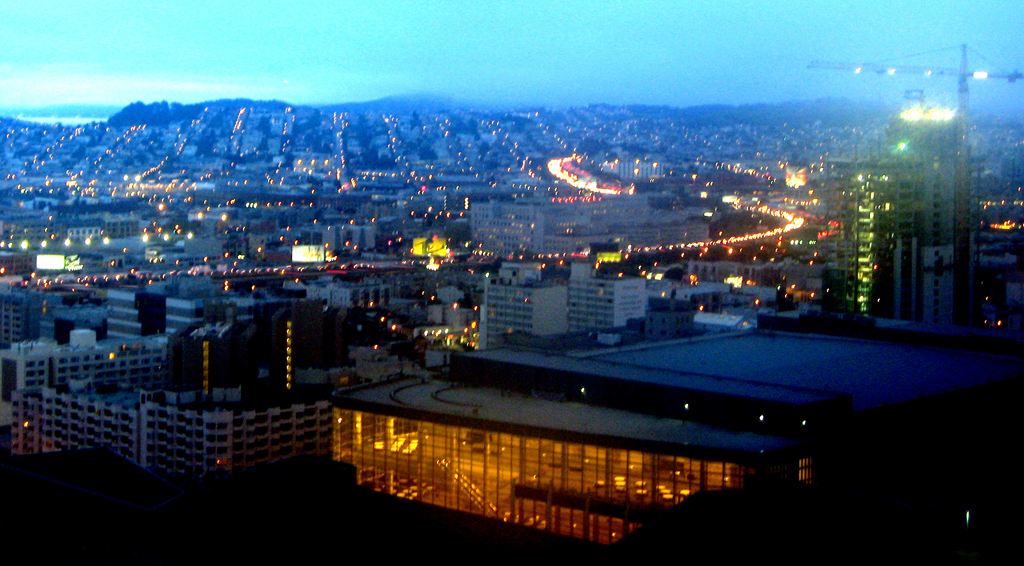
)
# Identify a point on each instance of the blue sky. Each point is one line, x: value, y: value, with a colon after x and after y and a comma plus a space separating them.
x: 510, y: 52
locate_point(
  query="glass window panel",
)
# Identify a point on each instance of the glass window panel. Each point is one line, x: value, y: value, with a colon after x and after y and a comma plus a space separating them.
x: 477, y: 471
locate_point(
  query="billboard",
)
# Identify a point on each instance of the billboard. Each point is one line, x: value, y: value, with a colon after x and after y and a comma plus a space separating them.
x: 307, y: 254
x: 606, y: 251
x: 49, y: 262
x: 433, y: 247
x: 57, y: 262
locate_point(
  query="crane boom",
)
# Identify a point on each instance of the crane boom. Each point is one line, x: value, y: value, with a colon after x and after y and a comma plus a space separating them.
x: 883, y: 69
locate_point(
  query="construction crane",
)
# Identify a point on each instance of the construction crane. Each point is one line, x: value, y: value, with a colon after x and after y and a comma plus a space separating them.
x: 962, y: 74
x: 963, y: 210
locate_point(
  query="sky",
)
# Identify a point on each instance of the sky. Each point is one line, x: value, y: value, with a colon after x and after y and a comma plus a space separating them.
x: 509, y: 52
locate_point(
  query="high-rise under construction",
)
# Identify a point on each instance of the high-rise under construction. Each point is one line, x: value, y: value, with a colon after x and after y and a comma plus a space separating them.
x: 907, y: 250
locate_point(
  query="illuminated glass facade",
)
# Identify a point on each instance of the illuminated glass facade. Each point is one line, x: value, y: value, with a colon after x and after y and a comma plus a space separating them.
x: 859, y: 287
x: 587, y: 491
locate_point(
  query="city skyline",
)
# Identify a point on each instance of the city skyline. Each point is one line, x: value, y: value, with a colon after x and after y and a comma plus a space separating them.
x: 513, y: 53
x: 604, y: 324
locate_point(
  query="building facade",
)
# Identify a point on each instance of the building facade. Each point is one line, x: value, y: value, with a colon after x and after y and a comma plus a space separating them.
x: 141, y: 313
x: 593, y: 489
x: 173, y: 432
x: 306, y: 335
x: 577, y: 447
x: 20, y: 315
x: 84, y: 364
x: 215, y: 356
x: 517, y: 299
x: 557, y: 226
x: 598, y: 301
x: 367, y: 293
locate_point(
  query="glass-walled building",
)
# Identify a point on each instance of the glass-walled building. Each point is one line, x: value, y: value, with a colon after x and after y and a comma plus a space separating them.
x: 537, y: 462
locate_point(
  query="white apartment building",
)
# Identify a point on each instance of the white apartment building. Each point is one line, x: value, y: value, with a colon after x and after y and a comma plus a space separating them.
x: 596, y: 301
x: 634, y: 169
x: 347, y: 294
x: 84, y: 364
x: 517, y: 300
x: 173, y: 432
x: 509, y: 228
x: 139, y: 313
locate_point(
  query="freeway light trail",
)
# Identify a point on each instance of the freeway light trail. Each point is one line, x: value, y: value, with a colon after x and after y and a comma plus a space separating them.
x: 792, y: 223
x: 565, y: 169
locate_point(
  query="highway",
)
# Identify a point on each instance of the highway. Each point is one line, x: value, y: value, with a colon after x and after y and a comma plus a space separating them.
x: 565, y: 169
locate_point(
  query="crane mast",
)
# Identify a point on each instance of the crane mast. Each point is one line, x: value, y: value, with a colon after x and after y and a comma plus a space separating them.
x: 963, y: 211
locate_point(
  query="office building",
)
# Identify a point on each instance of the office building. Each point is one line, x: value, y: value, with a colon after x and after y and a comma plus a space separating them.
x: 597, y: 300
x: 588, y: 449
x: 306, y: 335
x: 217, y: 355
x: 20, y: 315
x: 143, y: 313
x: 669, y: 318
x: 518, y: 299
x: 17, y: 263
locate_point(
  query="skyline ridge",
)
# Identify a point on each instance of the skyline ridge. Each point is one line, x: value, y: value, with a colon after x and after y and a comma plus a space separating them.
x: 425, y: 103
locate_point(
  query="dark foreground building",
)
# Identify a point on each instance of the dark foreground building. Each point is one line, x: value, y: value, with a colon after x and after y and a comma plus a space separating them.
x: 595, y: 445
x: 94, y: 507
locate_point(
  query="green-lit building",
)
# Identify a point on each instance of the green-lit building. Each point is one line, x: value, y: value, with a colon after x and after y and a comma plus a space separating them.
x: 907, y: 246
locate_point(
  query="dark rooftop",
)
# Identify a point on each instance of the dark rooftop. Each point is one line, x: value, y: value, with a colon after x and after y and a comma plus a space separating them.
x: 96, y: 472
x: 690, y: 376
x: 873, y: 373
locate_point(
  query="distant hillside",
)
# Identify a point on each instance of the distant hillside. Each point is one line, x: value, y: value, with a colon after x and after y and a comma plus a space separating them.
x: 247, y: 102
x: 155, y: 114
x: 164, y: 113
x: 834, y: 112
x: 398, y: 105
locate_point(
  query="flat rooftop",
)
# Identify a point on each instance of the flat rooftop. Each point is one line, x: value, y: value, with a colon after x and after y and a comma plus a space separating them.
x: 437, y: 400
x: 873, y: 373
x: 700, y: 377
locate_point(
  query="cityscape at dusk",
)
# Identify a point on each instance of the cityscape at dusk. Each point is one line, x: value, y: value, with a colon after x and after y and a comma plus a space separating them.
x: 739, y: 278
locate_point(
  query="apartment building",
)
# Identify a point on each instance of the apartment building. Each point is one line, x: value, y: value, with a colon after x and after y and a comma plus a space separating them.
x: 84, y: 364
x: 599, y: 301
x: 516, y: 299
x: 173, y: 432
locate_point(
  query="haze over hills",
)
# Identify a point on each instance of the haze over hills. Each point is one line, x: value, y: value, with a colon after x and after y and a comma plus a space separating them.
x: 411, y: 144
x: 243, y: 142
x: 833, y: 111
x: 100, y: 111
x: 161, y: 112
